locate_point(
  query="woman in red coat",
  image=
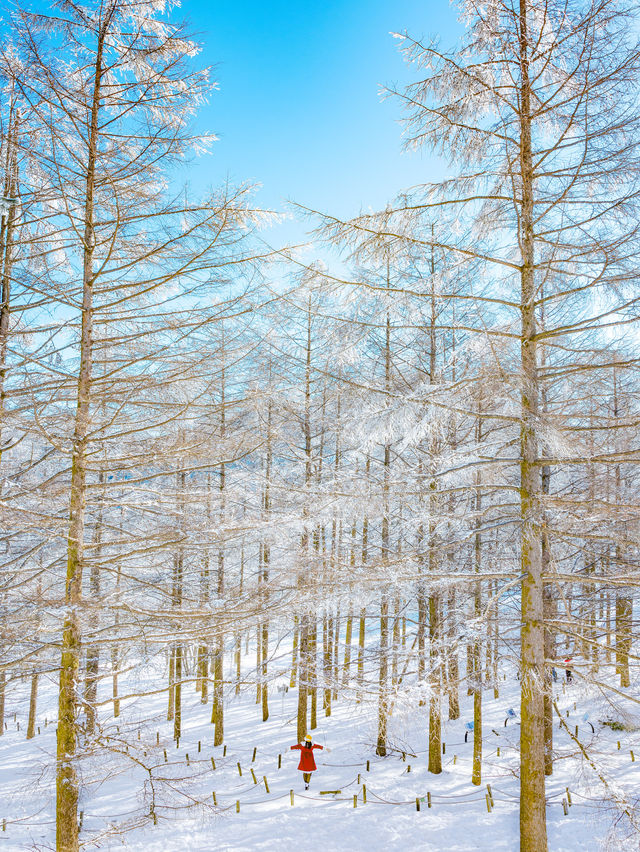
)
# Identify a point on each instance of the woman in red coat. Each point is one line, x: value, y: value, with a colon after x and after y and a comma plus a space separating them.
x: 307, y: 763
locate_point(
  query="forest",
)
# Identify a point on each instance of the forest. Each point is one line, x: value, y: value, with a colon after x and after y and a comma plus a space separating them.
x: 379, y: 491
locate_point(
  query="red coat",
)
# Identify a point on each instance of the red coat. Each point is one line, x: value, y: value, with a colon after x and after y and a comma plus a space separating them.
x: 307, y: 763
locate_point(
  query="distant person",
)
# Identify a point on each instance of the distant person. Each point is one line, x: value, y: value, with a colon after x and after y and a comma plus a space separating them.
x: 567, y: 670
x: 307, y: 763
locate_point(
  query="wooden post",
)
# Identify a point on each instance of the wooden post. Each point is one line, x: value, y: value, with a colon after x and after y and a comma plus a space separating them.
x: 215, y: 800
x: 291, y: 797
x: 213, y: 763
x: 367, y: 766
x: 237, y: 806
x: 199, y: 746
x: 239, y: 769
x: 165, y: 755
x: 253, y: 775
x: 564, y: 807
x: 488, y: 800
x: 417, y: 803
x: 266, y: 785
x: 355, y: 801
x: 253, y: 757
x: 279, y: 761
x: 224, y: 751
x: 364, y: 794
x: 428, y: 800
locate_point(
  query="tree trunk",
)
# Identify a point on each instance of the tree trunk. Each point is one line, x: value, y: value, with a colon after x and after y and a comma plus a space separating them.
x: 383, y: 699
x: 172, y: 680
x: 533, y: 831
x: 33, y: 701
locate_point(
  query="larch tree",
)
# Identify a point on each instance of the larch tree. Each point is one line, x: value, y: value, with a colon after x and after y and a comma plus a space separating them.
x: 113, y: 87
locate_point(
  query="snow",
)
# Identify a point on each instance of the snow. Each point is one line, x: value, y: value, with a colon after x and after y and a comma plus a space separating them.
x: 116, y: 797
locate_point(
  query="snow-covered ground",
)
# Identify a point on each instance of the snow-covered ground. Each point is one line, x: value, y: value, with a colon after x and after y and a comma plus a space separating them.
x: 117, y: 782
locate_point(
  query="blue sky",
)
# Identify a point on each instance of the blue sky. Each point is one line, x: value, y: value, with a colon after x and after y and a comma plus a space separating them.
x: 299, y: 106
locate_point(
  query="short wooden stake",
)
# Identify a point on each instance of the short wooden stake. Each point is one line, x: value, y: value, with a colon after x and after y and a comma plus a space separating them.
x: 165, y: 754
x: 498, y: 752
x: 253, y: 775
x: 239, y: 769
x: 564, y: 807
x: 199, y: 746
x: 237, y: 806
x: 364, y: 794
x: 618, y: 745
x: 178, y: 743
x: 444, y: 747
x: 266, y: 785
x: 633, y: 759
x: 291, y: 797
x: 187, y: 758
x: 224, y: 751
x: 404, y: 755
x: 428, y: 800
x: 569, y: 802
x: 279, y: 761
x: 358, y: 781
x: 417, y: 803
x: 408, y: 768
x: 576, y: 730
x: 4, y: 825
x: 455, y: 757
x: 157, y: 737
x: 253, y: 757
x: 488, y: 800
x: 215, y: 800
x: 213, y: 763
x: 355, y: 801
x: 489, y: 792
x: 367, y: 766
